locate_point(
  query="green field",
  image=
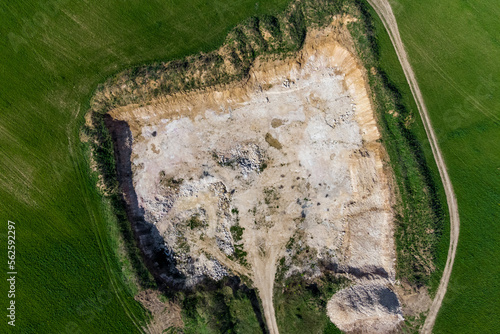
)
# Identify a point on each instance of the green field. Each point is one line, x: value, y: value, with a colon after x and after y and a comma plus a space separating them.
x: 53, y: 54
x: 454, y: 48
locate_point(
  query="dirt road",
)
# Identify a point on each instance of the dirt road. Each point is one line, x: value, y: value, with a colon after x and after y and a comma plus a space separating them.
x: 265, y: 272
x: 384, y: 10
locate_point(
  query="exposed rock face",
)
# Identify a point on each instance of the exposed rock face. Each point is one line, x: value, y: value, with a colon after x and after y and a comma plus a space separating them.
x: 232, y: 178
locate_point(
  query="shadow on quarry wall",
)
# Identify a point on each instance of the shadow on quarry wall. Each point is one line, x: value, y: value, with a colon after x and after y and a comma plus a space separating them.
x: 157, y: 257
x: 364, y: 272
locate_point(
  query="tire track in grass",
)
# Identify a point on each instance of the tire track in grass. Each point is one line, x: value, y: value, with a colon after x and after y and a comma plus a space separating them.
x: 453, y: 83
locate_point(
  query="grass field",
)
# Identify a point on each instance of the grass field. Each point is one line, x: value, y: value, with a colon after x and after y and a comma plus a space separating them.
x: 53, y: 54
x: 454, y: 49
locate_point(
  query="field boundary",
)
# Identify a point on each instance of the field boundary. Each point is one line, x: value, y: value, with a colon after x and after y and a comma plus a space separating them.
x: 384, y: 11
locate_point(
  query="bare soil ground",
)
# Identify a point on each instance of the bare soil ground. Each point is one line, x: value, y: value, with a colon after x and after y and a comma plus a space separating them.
x: 230, y: 174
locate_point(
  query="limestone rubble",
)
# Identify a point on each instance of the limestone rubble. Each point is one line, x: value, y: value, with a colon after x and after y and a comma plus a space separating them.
x: 293, y: 153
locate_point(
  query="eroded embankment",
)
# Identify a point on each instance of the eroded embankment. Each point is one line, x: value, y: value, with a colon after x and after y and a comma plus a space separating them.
x: 232, y: 179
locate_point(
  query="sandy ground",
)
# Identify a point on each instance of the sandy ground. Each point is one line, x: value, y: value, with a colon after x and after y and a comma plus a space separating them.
x: 293, y: 148
x: 384, y: 10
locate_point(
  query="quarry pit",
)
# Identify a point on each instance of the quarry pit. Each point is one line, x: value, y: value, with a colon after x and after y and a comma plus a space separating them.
x: 229, y: 176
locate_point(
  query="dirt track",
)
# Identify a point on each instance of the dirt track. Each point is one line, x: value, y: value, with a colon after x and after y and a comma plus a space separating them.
x: 383, y: 9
